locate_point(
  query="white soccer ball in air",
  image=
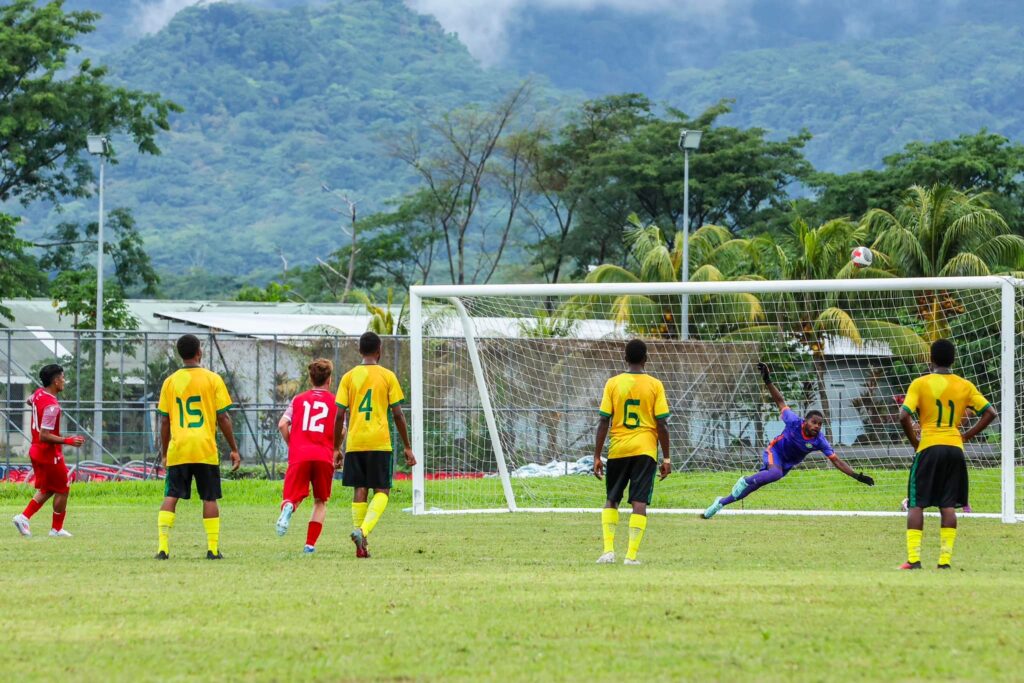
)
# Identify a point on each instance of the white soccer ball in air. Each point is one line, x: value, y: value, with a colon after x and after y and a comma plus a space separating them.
x: 861, y: 257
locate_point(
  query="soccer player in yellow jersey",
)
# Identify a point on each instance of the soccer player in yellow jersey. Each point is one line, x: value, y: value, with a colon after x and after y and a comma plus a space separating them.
x: 634, y: 409
x: 193, y: 403
x: 938, y: 476
x: 366, y: 395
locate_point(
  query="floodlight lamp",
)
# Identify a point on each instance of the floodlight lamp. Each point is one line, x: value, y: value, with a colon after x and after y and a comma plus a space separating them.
x: 97, y: 144
x: 690, y: 139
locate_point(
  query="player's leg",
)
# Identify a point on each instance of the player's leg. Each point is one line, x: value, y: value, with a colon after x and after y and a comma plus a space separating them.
x: 954, y: 494
x: 616, y: 478
x: 209, y: 489
x: 177, y: 484
x: 296, y: 488
x: 60, y: 508
x: 378, y: 477
x: 641, y: 490
x: 322, y: 476
x: 58, y: 484
x: 21, y: 521
x: 354, y: 476
x: 770, y: 472
x: 919, y: 484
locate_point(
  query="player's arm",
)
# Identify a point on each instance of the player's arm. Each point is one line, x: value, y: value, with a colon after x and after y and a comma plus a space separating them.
x: 284, y: 425
x: 51, y: 418
x: 987, y: 416
x: 602, y: 434
x: 845, y: 468
x: 228, y: 430
x: 666, y: 458
x: 165, y: 438
x: 340, y: 427
x: 766, y: 375
x: 396, y: 412
x: 907, y: 422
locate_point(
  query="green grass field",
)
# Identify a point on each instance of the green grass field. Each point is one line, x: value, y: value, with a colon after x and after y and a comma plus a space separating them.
x: 507, y: 597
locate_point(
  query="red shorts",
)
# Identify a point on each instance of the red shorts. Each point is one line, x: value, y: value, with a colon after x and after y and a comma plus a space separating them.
x: 50, y: 477
x: 299, y: 477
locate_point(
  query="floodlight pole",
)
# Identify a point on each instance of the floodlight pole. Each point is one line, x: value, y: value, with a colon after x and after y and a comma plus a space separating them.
x: 688, y: 139
x: 98, y: 147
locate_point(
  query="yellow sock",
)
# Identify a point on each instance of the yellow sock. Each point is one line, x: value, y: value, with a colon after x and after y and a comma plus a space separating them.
x: 212, y: 526
x: 376, y: 509
x: 164, y: 522
x: 914, y: 545
x: 358, y: 514
x: 637, y: 525
x: 609, y: 520
x: 947, y: 537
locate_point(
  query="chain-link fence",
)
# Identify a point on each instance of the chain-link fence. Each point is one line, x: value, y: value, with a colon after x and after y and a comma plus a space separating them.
x: 262, y: 372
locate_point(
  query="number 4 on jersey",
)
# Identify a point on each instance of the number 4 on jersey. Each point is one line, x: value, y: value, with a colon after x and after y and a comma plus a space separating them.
x: 366, y: 405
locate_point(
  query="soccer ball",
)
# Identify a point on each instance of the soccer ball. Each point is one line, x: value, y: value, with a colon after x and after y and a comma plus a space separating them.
x: 861, y: 257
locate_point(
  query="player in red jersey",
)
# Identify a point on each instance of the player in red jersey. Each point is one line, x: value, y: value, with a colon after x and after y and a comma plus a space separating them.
x: 47, y: 453
x: 308, y: 428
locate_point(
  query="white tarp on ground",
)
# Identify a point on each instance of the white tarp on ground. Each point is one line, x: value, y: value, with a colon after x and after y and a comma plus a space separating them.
x: 555, y: 468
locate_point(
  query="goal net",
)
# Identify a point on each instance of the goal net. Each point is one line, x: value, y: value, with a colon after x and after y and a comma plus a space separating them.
x: 507, y: 380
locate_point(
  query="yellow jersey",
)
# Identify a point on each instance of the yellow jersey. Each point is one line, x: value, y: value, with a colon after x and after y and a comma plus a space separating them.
x: 940, y: 401
x: 192, y: 398
x: 634, y: 402
x: 368, y: 392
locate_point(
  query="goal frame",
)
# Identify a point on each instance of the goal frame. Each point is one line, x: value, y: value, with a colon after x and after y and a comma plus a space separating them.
x: 1007, y: 287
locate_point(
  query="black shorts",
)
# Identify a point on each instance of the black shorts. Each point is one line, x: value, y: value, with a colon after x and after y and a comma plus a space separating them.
x: 636, y: 470
x: 368, y: 469
x: 178, y: 482
x: 938, y: 478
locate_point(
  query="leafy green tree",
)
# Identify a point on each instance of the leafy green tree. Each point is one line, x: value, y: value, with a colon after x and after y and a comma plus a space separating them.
x: 274, y: 291
x: 980, y: 162
x: 630, y: 161
x: 48, y: 106
x: 19, y: 272
x: 70, y: 246
x: 74, y: 294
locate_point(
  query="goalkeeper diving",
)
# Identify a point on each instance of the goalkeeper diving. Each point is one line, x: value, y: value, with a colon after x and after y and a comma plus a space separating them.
x: 800, y: 437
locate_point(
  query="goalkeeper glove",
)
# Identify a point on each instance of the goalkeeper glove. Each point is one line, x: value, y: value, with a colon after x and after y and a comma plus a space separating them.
x: 766, y: 372
x: 864, y: 479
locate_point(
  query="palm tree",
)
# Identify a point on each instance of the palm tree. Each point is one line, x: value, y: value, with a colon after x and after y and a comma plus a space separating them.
x: 943, y: 232
x: 651, y: 258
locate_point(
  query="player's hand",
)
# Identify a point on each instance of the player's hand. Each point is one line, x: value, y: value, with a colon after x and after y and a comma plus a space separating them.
x: 410, y: 459
x: 598, y: 468
x: 665, y: 469
x: 163, y: 460
x: 864, y: 479
x: 339, y: 459
x: 236, y: 461
x: 766, y: 372
x: 76, y: 440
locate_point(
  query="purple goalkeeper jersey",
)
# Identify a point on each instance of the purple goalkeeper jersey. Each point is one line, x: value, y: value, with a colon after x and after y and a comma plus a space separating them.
x: 789, y: 449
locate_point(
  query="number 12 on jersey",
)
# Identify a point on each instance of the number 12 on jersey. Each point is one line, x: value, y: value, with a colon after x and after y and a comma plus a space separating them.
x: 313, y: 416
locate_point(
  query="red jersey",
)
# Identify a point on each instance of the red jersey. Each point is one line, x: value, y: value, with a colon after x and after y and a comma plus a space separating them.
x: 312, y: 414
x: 45, y: 415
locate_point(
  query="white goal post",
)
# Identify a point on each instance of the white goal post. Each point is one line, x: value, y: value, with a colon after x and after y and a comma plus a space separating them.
x: 506, y: 381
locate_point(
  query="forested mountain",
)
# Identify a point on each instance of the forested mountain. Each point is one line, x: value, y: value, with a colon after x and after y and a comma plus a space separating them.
x: 276, y: 103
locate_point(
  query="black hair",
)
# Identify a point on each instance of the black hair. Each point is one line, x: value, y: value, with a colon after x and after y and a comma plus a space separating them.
x: 636, y: 351
x: 188, y: 346
x: 943, y: 353
x: 814, y: 413
x: 49, y: 373
x: 369, y: 344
